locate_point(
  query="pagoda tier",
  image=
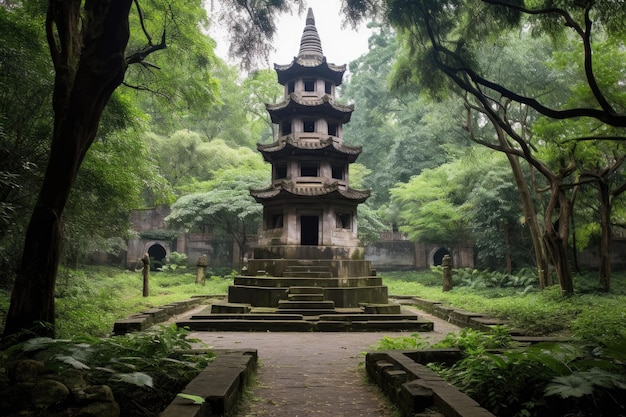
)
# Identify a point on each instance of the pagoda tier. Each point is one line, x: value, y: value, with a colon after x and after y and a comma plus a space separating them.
x: 295, y: 144
x: 288, y: 190
x: 298, y: 104
x: 317, y: 67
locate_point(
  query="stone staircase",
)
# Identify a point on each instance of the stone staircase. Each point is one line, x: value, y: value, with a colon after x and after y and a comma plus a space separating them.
x: 307, y: 301
x: 308, y: 271
x: 307, y: 295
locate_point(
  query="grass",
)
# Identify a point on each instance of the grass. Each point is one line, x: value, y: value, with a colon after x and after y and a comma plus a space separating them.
x: 89, y: 300
x: 587, y: 315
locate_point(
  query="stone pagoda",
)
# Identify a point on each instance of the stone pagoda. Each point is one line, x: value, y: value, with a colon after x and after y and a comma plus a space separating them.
x: 308, y: 267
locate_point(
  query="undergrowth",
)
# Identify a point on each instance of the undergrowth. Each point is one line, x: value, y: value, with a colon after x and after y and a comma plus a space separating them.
x: 542, y: 380
x: 145, y: 370
x: 587, y: 315
x: 89, y: 300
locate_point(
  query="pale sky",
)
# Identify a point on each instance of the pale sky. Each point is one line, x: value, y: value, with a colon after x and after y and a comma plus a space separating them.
x: 340, y: 43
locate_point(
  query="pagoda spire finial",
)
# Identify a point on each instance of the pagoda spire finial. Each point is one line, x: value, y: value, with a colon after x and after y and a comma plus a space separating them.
x: 310, y: 44
x: 310, y: 19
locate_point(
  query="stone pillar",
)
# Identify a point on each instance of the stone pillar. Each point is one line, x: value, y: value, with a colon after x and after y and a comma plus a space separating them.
x: 201, y: 271
x: 446, y: 263
x: 146, y: 274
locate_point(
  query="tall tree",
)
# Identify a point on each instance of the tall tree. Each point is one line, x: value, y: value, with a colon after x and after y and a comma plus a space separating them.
x: 446, y: 35
x: 88, y: 45
x: 402, y: 130
x: 226, y: 208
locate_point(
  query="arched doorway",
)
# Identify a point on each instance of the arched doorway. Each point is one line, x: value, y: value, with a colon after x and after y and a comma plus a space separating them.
x: 157, y: 254
x: 439, y: 254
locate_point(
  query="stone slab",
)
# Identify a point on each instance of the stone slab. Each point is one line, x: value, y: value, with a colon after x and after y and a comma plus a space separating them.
x: 247, y: 325
x: 367, y: 317
x: 233, y: 308
x: 382, y: 308
x: 221, y: 385
x: 252, y: 316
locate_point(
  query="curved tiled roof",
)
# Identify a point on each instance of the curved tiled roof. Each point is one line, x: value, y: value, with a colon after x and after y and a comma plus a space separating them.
x: 297, y: 104
x: 290, y: 190
x: 310, y: 58
x: 289, y: 143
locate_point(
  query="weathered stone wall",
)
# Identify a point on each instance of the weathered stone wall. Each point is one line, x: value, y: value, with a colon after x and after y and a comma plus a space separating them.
x: 392, y: 255
x: 404, y: 254
x: 149, y: 219
x: 590, y: 257
x: 220, y: 252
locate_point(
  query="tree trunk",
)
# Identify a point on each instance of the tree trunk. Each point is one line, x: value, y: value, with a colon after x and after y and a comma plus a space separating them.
x: 530, y: 214
x: 507, y: 249
x: 606, y: 239
x: 88, y: 54
x: 556, y: 235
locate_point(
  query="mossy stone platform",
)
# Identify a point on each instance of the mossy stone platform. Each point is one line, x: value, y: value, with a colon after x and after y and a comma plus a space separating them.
x: 307, y: 295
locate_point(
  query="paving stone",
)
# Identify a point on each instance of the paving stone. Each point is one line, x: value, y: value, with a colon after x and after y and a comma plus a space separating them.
x: 310, y: 374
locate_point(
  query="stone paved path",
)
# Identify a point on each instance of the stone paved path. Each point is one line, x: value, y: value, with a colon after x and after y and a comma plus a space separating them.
x: 313, y: 374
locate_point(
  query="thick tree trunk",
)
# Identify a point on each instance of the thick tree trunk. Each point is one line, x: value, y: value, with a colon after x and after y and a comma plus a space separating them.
x: 94, y: 43
x: 606, y: 239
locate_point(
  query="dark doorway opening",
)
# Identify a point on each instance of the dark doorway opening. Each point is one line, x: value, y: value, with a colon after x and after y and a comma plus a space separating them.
x: 157, y: 254
x: 438, y: 257
x: 309, y: 230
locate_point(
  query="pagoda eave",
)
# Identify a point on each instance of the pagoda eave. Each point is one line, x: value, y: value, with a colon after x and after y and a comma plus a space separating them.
x: 323, y: 106
x: 309, y: 193
x: 292, y: 146
x: 312, y: 65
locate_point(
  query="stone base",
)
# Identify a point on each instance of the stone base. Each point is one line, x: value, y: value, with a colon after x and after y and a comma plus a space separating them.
x: 343, y: 297
x: 336, y: 267
x: 309, y: 252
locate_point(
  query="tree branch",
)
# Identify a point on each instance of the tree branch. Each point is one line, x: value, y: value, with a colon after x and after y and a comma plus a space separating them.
x: 606, y: 114
x: 140, y: 56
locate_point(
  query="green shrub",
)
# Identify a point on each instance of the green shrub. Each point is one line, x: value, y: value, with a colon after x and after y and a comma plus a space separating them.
x: 543, y: 380
x: 412, y: 342
x: 470, y: 341
x: 150, y: 365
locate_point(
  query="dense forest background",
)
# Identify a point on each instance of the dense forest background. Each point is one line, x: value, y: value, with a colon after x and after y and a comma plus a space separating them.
x: 512, y: 137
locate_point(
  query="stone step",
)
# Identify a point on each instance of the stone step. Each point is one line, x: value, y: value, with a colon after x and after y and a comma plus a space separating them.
x: 306, y: 290
x: 307, y: 268
x: 375, y: 325
x: 305, y: 325
x: 382, y: 308
x: 318, y: 305
x: 305, y: 311
x: 252, y: 316
x: 260, y: 281
x: 231, y: 308
x: 305, y: 297
x: 369, y: 317
x: 248, y: 325
x: 307, y: 271
x: 307, y: 274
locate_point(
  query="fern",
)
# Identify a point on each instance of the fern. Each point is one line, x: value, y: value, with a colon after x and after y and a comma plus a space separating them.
x: 139, y: 379
x: 73, y: 362
x: 583, y: 383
